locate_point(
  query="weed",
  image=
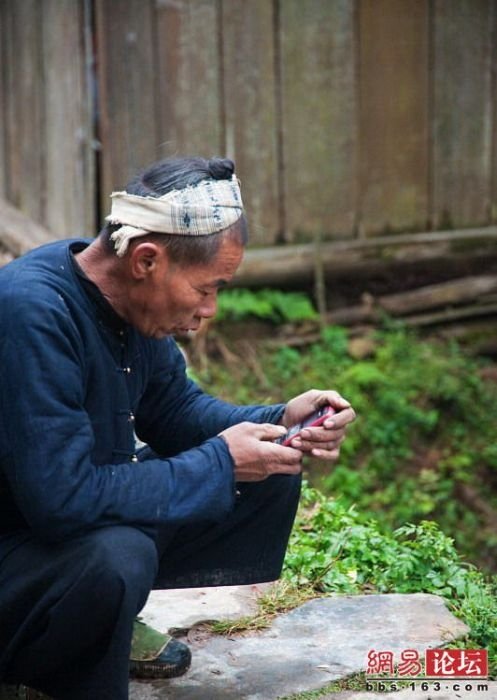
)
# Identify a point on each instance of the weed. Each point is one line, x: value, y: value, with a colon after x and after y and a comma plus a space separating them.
x: 281, y: 597
x: 269, y: 304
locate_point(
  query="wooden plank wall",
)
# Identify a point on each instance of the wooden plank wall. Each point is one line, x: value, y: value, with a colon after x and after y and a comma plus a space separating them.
x: 319, y: 115
x: 393, y: 129
x: 190, y: 99
x: 462, y: 112
x: 46, y: 123
x: 250, y: 123
x: 346, y: 118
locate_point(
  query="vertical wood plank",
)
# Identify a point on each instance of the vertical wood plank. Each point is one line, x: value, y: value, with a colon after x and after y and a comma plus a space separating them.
x: 3, y: 97
x: 493, y: 21
x: 462, y: 113
x: 189, y: 77
x: 319, y: 117
x: 250, y: 115
x: 394, y: 115
x: 70, y: 186
x: 24, y: 107
x: 126, y: 72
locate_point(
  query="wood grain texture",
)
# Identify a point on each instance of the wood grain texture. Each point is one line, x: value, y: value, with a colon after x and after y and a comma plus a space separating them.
x: 344, y: 117
x: 493, y: 193
x: 319, y: 117
x: 3, y: 97
x: 24, y: 107
x: 462, y: 129
x: 189, y: 78
x: 394, y: 115
x: 374, y: 255
x: 250, y: 111
x: 18, y: 232
x: 70, y: 183
x: 126, y: 70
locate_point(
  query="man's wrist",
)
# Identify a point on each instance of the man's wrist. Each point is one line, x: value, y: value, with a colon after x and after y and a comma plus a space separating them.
x: 281, y: 419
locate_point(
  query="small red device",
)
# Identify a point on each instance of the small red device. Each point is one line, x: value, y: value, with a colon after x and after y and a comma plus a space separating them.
x: 315, y: 419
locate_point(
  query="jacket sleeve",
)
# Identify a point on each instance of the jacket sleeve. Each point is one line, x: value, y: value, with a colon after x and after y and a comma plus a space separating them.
x: 175, y: 414
x: 46, y: 439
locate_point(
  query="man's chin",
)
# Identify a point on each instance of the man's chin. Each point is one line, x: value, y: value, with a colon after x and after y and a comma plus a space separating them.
x: 184, y: 332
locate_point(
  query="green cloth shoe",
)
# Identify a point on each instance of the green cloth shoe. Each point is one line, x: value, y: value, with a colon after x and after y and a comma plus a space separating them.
x: 157, y: 655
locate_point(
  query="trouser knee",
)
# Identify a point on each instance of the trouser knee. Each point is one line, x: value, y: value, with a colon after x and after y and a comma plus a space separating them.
x: 122, y: 564
x: 79, y: 602
x: 278, y: 488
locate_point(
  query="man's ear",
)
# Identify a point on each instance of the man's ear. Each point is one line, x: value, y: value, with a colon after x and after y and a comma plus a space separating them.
x: 146, y: 259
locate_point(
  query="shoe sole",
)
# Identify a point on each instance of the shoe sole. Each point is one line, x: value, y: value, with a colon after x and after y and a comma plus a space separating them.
x: 149, y: 670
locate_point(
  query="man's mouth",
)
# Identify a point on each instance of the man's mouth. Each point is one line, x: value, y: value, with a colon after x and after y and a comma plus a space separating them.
x: 189, y: 329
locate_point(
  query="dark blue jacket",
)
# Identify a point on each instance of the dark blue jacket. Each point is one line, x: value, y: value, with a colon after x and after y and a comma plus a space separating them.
x: 73, y: 391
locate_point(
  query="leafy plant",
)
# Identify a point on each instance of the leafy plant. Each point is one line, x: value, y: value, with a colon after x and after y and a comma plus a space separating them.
x: 336, y: 549
x: 267, y: 304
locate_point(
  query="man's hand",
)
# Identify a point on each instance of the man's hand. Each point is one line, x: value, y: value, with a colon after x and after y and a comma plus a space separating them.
x: 255, y: 454
x: 323, y: 442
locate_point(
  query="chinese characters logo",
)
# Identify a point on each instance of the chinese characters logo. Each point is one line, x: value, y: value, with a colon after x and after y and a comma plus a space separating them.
x: 438, y: 663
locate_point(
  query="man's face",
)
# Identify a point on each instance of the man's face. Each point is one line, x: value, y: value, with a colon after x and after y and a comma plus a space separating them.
x: 174, y: 299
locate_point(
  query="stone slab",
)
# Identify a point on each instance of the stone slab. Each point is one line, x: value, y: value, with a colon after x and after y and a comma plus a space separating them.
x: 180, y: 609
x: 305, y: 649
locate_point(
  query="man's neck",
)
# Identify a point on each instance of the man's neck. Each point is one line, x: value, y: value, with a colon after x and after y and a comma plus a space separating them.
x: 107, y: 273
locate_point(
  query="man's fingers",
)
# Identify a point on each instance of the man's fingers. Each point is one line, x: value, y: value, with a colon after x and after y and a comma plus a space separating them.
x: 282, y: 460
x: 256, y: 455
x: 282, y: 455
x: 320, y: 435
x: 269, y: 431
x: 321, y: 442
x: 334, y: 399
x: 335, y: 423
x: 340, y: 419
x: 331, y: 429
x: 332, y: 455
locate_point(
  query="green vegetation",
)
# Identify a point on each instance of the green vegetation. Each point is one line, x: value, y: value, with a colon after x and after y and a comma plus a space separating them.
x: 267, y: 304
x: 425, y: 439
x: 416, y: 484
x: 335, y: 549
x: 281, y: 597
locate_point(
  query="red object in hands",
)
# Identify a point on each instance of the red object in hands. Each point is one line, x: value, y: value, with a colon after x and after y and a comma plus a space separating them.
x: 315, y: 419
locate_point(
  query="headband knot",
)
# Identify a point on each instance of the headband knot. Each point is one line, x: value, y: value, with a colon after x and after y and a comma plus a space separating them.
x: 197, y: 210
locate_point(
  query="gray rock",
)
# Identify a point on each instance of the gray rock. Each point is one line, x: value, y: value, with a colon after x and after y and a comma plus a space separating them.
x: 184, y: 607
x: 323, y: 640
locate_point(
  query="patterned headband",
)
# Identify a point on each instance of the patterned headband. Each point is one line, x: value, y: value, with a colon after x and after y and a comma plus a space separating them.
x: 197, y: 210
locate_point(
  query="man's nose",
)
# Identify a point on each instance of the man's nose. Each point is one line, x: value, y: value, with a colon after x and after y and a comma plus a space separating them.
x: 208, y: 308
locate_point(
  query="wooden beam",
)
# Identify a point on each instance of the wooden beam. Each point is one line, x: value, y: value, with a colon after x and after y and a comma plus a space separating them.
x: 19, y: 233
x: 289, y: 264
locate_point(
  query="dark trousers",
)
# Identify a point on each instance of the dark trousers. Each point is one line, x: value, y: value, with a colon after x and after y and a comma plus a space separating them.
x: 67, y: 609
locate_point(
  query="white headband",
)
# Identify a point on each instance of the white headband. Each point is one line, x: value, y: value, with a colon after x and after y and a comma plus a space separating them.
x: 197, y: 210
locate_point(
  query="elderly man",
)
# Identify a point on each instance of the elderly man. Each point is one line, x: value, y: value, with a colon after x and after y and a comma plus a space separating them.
x: 88, y: 524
